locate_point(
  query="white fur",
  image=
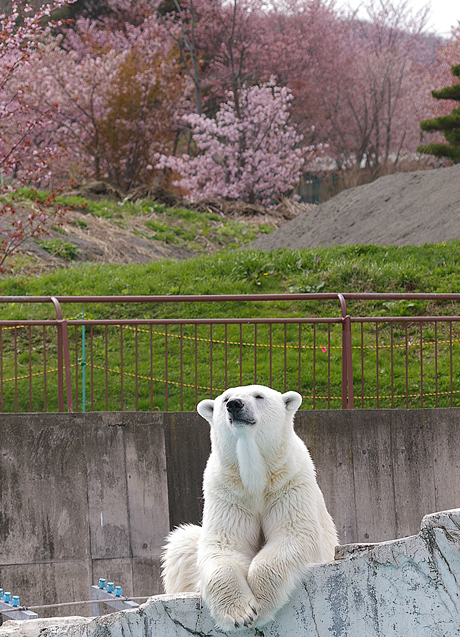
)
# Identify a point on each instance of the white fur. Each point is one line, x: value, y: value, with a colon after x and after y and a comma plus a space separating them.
x: 264, y: 519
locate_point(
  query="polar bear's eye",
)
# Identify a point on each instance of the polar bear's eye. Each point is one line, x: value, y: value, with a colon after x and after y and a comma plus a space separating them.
x: 258, y: 397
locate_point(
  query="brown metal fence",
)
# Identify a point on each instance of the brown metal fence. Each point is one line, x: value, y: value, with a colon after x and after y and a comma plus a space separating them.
x: 169, y: 364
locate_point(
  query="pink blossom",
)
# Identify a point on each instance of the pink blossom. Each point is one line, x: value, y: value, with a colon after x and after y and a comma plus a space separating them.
x: 254, y: 157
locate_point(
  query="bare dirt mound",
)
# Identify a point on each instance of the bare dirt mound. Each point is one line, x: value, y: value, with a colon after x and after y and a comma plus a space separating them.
x: 401, y: 209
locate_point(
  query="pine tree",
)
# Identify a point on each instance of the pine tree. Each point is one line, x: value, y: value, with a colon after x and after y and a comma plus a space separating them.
x: 449, y: 125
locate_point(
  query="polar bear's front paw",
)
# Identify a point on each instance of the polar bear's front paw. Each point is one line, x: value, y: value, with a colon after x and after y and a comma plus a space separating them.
x: 269, y: 588
x: 239, y: 614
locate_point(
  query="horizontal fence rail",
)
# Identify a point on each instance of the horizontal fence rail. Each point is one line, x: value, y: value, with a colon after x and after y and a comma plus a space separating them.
x: 169, y: 364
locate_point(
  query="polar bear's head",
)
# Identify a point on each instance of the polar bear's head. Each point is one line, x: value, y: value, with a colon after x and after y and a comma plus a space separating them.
x: 250, y: 430
x: 250, y: 406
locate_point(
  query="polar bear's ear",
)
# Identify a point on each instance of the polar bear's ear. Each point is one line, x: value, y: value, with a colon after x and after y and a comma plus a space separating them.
x: 206, y: 409
x: 292, y: 400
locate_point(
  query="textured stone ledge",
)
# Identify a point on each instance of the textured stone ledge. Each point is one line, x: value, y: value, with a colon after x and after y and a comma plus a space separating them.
x: 409, y: 586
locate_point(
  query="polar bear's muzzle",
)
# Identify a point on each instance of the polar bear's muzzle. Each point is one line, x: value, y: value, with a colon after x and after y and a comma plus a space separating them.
x: 239, y: 413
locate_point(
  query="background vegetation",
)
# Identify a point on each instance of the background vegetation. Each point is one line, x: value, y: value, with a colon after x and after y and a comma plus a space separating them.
x: 185, y: 95
x: 139, y: 378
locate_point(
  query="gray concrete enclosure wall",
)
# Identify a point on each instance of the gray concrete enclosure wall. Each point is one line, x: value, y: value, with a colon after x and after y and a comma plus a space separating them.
x: 83, y: 496
x: 93, y: 495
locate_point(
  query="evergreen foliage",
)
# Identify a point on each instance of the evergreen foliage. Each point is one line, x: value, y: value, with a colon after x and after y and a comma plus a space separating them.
x: 449, y: 125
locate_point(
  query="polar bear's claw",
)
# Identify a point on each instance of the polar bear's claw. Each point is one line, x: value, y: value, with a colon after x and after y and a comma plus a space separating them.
x: 249, y: 621
x: 238, y: 616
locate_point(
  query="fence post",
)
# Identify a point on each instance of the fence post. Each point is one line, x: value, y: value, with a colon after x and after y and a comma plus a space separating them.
x: 63, y: 349
x: 347, y: 362
x: 83, y: 364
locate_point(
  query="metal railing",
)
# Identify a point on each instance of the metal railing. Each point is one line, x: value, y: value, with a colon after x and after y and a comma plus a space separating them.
x: 169, y: 364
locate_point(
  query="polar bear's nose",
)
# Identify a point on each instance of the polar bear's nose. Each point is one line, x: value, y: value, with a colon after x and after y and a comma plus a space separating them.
x: 235, y: 405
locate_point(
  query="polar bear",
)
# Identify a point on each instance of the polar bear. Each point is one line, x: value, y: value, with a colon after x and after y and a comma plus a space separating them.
x: 264, y: 520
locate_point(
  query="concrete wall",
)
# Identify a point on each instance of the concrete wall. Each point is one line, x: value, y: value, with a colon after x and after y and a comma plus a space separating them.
x: 92, y: 495
x: 82, y: 497
x: 381, y: 471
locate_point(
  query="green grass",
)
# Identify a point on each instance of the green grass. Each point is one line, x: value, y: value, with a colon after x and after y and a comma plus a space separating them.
x: 429, y: 268
x: 200, y: 232
x: 59, y: 248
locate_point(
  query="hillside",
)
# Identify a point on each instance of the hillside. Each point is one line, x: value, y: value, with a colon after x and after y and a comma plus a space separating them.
x: 397, y: 210
x: 100, y: 226
x: 401, y: 209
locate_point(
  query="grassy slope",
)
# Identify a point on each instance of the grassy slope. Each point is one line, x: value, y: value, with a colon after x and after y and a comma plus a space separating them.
x: 360, y: 268
x: 198, y: 232
x: 429, y: 268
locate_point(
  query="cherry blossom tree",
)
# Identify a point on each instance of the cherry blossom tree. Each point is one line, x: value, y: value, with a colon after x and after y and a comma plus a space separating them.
x: 252, y: 154
x: 219, y: 43
x: 26, y: 220
x: 372, y: 107
x: 232, y: 39
x: 439, y: 74
x: 112, y: 95
x: 103, y: 97
x: 24, y: 153
x: 302, y: 46
x: 180, y: 21
x: 358, y: 84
